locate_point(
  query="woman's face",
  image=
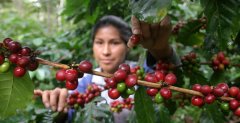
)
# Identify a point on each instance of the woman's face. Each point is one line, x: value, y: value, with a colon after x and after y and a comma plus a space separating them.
x: 109, y: 49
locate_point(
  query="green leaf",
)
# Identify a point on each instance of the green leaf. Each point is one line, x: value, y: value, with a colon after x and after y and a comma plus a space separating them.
x: 212, y: 114
x: 190, y: 35
x: 144, y: 107
x: 197, y: 77
x: 163, y: 115
x: 15, y: 93
x: 217, y: 77
x: 223, y: 20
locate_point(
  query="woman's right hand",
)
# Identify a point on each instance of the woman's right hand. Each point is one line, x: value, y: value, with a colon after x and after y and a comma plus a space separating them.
x: 54, y: 99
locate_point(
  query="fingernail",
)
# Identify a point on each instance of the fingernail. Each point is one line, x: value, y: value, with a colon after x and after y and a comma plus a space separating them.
x: 59, y: 109
x: 53, y: 108
x: 47, y: 105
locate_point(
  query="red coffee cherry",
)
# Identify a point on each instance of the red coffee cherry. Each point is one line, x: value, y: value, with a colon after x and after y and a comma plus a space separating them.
x: 217, y: 91
x: 131, y: 80
x: 233, y: 104
x: 13, y: 58
x: 33, y: 65
x: 150, y: 78
x: 209, y: 99
x: 159, y: 75
x: 196, y: 87
x: 170, y: 79
x: 120, y: 75
x: 233, y: 91
x: 71, y: 75
x: 135, y: 39
x: 197, y: 101
x: 19, y: 71
x: 85, y: 66
x: 166, y: 93
x: 152, y: 91
x: 124, y: 67
x: 6, y: 41
x: 23, y: 61
x: 25, y: 51
x: 14, y: 46
x: 224, y: 86
x: 237, y: 112
x: 60, y: 75
x: 71, y: 85
x: 206, y: 89
x: 113, y: 93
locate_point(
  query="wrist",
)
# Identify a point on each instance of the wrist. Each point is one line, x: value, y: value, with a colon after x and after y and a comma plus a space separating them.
x: 159, y: 54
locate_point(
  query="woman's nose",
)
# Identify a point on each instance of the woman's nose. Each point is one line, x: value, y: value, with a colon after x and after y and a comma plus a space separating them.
x: 106, y: 49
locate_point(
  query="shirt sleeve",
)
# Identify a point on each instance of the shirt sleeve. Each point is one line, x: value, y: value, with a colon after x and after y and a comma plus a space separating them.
x: 150, y: 62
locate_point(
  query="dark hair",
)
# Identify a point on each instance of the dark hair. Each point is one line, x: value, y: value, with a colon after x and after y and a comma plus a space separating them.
x: 110, y: 20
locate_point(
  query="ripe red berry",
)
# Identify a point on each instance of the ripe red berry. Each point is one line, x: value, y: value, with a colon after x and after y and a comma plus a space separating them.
x: 197, y: 101
x: 33, y: 65
x: 13, y: 58
x: 135, y: 39
x: 111, y: 82
x: 215, y: 62
x: 25, y: 51
x: 206, y: 89
x: 233, y: 104
x: 159, y: 75
x: 226, y: 62
x: 209, y: 99
x: 23, y: 61
x: 170, y: 79
x: 150, y: 78
x: 71, y: 75
x: 71, y: 85
x: 220, y: 56
x: 85, y: 66
x: 237, y: 112
x: 166, y: 93
x: 14, y: 46
x: 124, y: 67
x: 217, y: 91
x: 233, y: 91
x: 113, y: 93
x: 6, y: 41
x: 131, y: 80
x: 60, y: 75
x: 196, y: 87
x: 1, y: 59
x: 224, y: 86
x: 152, y: 91
x: 120, y: 75
x: 19, y: 71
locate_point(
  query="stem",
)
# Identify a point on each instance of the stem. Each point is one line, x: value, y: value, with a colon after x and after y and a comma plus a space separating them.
x: 139, y: 82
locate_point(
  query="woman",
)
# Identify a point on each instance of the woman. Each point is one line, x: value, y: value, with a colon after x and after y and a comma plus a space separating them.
x: 110, y: 47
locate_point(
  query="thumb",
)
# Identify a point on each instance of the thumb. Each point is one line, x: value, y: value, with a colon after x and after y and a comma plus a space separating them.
x: 37, y: 93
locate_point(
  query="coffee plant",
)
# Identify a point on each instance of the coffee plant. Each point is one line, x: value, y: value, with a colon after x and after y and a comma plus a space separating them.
x: 203, y: 88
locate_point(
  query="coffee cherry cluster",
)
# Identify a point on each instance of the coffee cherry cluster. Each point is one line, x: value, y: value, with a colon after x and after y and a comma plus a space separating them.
x: 71, y: 75
x: 122, y: 83
x: 139, y: 71
x: 212, y: 93
x: 80, y: 99
x: 23, y: 58
x: 118, y: 106
x: 135, y: 39
x: 181, y: 24
x: 164, y: 66
x: 220, y: 62
x: 190, y: 62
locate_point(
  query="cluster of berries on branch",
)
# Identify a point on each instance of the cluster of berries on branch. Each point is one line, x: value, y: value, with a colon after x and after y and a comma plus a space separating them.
x: 71, y: 75
x: 118, y: 106
x: 190, y: 62
x: 80, y: 99
x: 22, y: 58
x: 220, y: 62
x: 212, y: 93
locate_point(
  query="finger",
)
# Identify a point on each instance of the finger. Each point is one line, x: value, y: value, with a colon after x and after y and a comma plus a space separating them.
x: 54, y: 98
x: 146, y: 34
x: 38, y: 92
x: 62, y: 99
x: 65, y: 110
x: 45, y: 98
x: 135, y: 25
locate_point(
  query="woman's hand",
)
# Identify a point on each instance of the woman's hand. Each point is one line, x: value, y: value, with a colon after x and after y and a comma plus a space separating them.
x: 153, y: 37
x: 54, y: 99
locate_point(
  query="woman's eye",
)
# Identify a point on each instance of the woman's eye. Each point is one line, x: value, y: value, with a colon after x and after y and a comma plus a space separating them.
x: 98, y: 42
